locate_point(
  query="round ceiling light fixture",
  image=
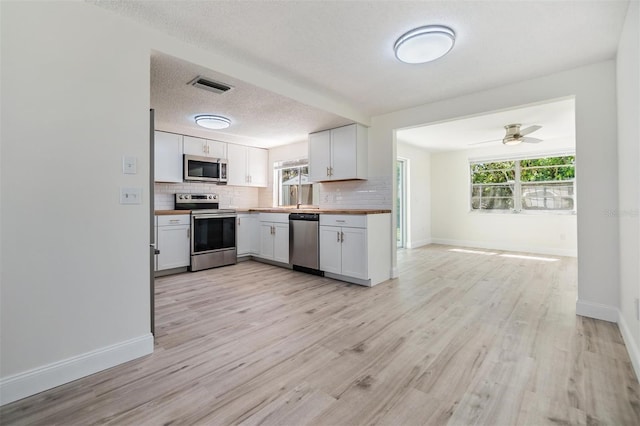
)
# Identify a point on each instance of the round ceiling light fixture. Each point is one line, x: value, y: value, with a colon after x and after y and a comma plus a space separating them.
x: 424, y: 44
x: 213, y: 122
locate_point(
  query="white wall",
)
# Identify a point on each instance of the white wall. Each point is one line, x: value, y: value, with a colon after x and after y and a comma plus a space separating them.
x: 453, y: 222
x: 75, y: 263
x: 418, y: 175
x: 628, y: 73
x: 594, y: 88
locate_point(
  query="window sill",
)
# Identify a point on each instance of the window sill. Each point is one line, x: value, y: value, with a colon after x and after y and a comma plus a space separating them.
x: 525, y: 212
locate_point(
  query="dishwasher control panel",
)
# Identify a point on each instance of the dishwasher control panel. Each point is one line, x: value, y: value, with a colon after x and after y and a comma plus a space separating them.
x: 304, y: 216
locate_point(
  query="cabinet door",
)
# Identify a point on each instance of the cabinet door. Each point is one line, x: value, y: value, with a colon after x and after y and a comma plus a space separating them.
x: 167, y: 157
x: 173, y: 243
x: 281, y: 242
x: 330, y: 249
x: 257, y: 160
x: 266, y: 240
x: 344, y: 152
x: 217, y: 149
x: 195, y: 146
x: 254, y: 226
x: 319, y: 156
x: 354, y: 252
x: 237, y: 165
x: 243, y: 233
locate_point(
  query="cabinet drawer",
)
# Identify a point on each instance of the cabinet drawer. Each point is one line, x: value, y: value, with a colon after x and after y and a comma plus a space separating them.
x: 348, y: 220
x: 178, y: 219
x: 274, y: 217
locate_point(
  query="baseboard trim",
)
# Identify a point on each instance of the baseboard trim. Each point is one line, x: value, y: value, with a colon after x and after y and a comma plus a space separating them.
x: 506, y: 247
x: 630, y: 343
x: 22, y: 385
x: 394, y: 272
x: 418, y: 243
x: 596, y: 311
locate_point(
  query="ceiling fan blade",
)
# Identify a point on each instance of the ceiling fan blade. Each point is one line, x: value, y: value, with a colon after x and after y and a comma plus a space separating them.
x: 480, y: 143
x: 529, y: 129
x: 531, y: 140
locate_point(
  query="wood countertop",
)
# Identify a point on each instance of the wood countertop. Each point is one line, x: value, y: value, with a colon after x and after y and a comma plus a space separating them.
x: 285, y: 210
x: 321, y: 211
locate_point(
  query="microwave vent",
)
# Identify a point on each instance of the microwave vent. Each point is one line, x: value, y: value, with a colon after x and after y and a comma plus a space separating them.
x: 210, y: 85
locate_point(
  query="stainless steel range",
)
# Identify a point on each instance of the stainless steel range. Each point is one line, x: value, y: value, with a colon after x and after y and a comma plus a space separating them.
x: 213, y: 231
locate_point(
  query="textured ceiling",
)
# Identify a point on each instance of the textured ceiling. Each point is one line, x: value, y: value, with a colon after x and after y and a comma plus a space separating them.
x: 343, y: 49
x: 486, y: 131
x: 259, y: 117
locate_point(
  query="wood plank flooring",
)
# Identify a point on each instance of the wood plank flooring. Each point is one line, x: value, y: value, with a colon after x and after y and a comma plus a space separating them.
x: 461, y: 337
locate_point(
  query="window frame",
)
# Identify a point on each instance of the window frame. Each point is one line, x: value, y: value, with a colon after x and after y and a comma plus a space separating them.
x: 277, y: 175
x: 518, y: 184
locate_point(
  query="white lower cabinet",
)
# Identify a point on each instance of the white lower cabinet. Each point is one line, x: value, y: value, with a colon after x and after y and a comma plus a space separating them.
x: 344, y: 251
x: 274, y: 237
x: 173, y: 239
x: 356, y: 248
x: 246, y: 233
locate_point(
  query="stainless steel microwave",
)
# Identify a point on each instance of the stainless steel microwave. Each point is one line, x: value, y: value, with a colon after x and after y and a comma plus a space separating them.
x: 205, y: 169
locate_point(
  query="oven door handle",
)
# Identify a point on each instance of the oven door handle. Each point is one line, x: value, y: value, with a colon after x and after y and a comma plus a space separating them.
x: 222, y: 216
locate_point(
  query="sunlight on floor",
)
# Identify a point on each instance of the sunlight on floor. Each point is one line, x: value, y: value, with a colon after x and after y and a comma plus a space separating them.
x: 513, y: 256
x: 485, y: 253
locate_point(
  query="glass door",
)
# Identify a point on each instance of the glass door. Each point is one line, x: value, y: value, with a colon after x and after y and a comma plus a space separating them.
x: 212, y: 233
x: 401, y: 201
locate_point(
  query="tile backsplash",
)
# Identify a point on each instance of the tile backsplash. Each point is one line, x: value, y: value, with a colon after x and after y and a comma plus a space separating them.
x: 374, y: 193
x: 237, y: 197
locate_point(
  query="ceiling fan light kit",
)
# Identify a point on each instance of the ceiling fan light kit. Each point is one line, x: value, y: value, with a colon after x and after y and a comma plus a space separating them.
x: 212, y: 122
x: 515, y: 136
x: 424, y: 44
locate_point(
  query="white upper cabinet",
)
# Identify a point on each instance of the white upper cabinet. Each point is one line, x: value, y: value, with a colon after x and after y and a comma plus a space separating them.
x: 338, y: 154
x: 247, y: 166
x: 167, y: 157
x: 205, y: 147
x: 319, y: 155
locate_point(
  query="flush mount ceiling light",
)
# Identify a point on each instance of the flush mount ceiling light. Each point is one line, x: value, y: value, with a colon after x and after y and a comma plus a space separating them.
x: 214, y: 122
x: 424, y: 44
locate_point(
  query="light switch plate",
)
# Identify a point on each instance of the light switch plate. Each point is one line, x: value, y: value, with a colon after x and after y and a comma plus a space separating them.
x: 130, y: 195
x: 129, y: 165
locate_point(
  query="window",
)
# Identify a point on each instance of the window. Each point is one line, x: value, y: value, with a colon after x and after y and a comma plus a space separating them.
x: 293, y: 183
x: 544, y: 184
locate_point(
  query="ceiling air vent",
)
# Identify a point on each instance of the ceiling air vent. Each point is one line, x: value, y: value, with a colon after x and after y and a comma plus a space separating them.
x: 210, y: 85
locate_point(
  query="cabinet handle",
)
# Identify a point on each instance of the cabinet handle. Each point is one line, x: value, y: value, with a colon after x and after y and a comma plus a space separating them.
x: 338, y: 233
x: 340, y: 220
x: 238, y: 221
x: 342, y: 237
x: 188, y: 233
x: 328, y: 172
x: 273, y: 231
x: 174, y: 220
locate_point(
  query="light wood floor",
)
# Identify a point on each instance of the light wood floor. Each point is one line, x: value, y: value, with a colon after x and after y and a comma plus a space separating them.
x: 460, y: 338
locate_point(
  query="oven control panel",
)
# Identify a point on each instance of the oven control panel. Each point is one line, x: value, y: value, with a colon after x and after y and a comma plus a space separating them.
x: 198, y: 197
x: 196, y: 201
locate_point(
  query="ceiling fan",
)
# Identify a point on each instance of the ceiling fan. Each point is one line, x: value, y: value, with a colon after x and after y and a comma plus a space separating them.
x: 515, y: 136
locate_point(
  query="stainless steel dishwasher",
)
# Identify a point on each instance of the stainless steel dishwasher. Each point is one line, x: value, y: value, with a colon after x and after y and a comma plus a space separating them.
x: 304, y: 250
